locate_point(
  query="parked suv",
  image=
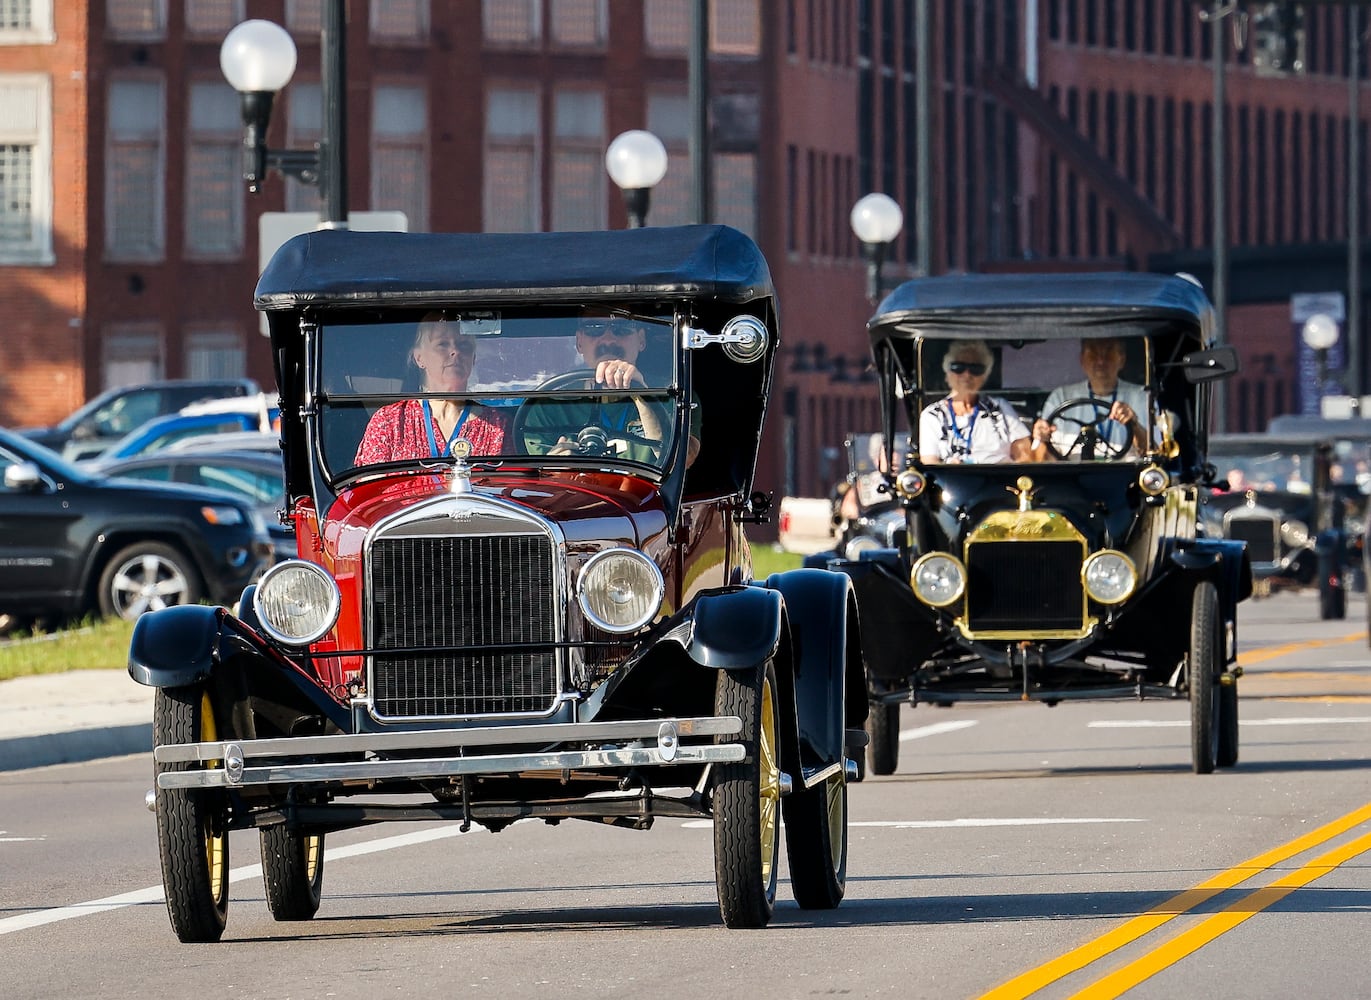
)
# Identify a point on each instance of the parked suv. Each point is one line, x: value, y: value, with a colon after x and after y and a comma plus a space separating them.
x: 543, y: 610
x: 73, y: 543
x: 112, y: 414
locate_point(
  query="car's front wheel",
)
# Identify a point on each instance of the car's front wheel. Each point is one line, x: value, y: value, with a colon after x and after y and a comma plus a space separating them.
x: 192, y: 834
x: 816, y: 842
x: 883, y: 726
x: 747, y: 800
x: 1202, y: 677
x: 147, y: 576
x: 292, y: 872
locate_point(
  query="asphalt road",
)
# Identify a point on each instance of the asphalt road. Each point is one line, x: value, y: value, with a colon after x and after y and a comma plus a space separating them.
x: 1019, y: 851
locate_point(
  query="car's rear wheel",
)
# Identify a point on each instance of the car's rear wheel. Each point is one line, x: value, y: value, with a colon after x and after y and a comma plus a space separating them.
x: 292, y: 872
x: 1202, y: 677
x: 192, y: 833
x: 883, y: 726
x: 1332, y: 600
x: 147, y: 576
x: 1227, y: 754
x: 816, y: 842
x: 747, y: 800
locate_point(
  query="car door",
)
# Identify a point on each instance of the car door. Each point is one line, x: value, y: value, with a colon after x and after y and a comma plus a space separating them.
x: 38, y: 563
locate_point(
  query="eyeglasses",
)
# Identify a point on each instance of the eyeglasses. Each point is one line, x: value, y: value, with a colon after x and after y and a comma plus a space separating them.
x: 966, y: 368
x: 597, y: 330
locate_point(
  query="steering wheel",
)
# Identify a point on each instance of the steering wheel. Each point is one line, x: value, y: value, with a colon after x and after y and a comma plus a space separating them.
x: 1088, y: 437
x: 592, y: 436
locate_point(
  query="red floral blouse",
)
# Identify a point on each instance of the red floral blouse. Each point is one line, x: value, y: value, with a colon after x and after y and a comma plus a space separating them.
x: 396, y: 433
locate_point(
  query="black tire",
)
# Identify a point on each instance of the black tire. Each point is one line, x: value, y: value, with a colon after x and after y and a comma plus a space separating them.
x: 1332, y: 601
x: 292, y: 872
x: 191, y: 823
x: 816, y: 843
x: 747, y: 800
x: 883, y: 726
x: 1202, y: 675
x: 146, y: 576
x: 1227, y: 754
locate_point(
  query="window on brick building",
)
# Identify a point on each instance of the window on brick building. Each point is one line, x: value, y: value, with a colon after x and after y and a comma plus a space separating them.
x: 131, y: 353
x: 735, y: 27
x: 304, y: 129
x: 582, y: 23
x: 399, y: 153
x: 137, y: 20
x: 305, y: 17
x: 212, y: 18
x: 512, y: 22
x: 666, y: 25
x: 735, y: 191
x: 511, y: 201
x: 400, y: 21
x: 214, y: 167
x: 215, y: 352
x: 26, y: 22
x: 579, y: 179
x: 134, y: 183
x: 25, y: 169
x: 668, y: 118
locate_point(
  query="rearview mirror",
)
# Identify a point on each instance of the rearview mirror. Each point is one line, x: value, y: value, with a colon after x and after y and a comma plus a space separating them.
x: 1210, y: 365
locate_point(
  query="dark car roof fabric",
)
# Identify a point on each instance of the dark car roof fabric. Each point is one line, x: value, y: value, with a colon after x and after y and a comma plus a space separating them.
x: 341, y: 269
x: 1050, y: 306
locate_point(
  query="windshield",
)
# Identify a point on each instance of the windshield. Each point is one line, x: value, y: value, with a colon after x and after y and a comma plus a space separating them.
x: 1264, y: 468
x: 578, y: 386
x: 992, y: 401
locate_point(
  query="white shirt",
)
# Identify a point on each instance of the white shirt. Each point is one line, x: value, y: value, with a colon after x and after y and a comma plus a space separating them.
x: 982, y: 436
x: 1110, y: 431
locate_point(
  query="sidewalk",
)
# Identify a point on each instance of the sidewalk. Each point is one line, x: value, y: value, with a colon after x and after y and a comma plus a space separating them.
x: 74, y: 716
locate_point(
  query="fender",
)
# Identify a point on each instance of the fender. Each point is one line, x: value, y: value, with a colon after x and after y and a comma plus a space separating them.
x: 1227, y: 559
x: 735, y: 629
x: 823, y: 633
x: 175, y: 646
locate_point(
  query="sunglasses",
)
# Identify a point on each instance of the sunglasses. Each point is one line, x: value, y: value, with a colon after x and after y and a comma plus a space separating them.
x: 597, y: 330
x: 966, y: 368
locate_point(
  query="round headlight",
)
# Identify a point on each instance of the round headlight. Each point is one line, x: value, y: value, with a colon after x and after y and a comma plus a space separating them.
x: 938, y: 579
x: 910, y: 483
x: 296, y: 602
x: 1153, y: 479
x: 1109, y: 576
x: 862, y: 543
x: 620, y: 590
x: 1295, y: 533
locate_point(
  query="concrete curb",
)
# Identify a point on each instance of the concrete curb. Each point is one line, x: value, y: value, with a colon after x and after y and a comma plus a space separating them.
x: 23, y: 752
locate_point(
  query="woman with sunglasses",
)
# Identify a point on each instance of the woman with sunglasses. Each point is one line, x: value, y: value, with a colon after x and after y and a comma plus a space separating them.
x: 440, y: 361
x: 967, y: 426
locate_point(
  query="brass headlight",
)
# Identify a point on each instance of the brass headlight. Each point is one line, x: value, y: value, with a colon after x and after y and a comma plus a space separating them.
x: 1153, y: 480
x: 1109, y: 576
x: 910, y: 483
x: 938, y: 579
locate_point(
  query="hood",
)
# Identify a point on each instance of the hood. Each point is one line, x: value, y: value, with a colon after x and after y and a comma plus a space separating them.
x: 586, y: 506
x: 160, y: 492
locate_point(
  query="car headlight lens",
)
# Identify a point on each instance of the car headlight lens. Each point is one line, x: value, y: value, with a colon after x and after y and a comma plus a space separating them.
x: 910, y: 483
x: 1153, y: 479
x: 862, y: 543
x: 1295, y: 534
x: 296, y: 602
x: 938, y: 579
x: 1109, y: 576
x: 222, y: 514
x: 620, y: 590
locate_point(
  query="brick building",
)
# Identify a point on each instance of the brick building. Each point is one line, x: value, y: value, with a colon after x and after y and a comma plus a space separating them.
x: 1064, y: 134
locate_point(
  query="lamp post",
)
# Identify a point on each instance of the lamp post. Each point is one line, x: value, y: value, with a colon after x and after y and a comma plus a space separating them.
x: 258, y: 59
x: 876, y: 220
x: 636, y: 161
x: 1320, y: 332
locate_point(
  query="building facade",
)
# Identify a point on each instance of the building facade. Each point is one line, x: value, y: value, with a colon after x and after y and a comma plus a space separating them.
x: 1060, y: 134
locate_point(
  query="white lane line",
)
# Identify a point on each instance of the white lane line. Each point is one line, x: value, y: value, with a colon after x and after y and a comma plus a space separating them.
x: 945, y: 824
x: 1179, y: 723
x: 935, y: 729
x: 154, y: 894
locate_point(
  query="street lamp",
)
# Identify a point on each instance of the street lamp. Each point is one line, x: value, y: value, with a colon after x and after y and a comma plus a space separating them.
x: 258, y: 59
x: 1320, y: 332
x: 877, y: 220
x: 636, y: 161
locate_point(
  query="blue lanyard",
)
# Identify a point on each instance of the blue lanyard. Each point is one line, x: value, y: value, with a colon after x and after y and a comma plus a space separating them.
x: 970, y: 427
x: 456, y: 431
x: 1100, y: 424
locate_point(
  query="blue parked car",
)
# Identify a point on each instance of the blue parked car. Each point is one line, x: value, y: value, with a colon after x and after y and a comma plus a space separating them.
x: 163, y: 432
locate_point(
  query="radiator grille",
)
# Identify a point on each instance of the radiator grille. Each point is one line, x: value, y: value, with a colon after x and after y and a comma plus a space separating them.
x: 1260, y: 535
x: 1024, y: 586
x: 463, y: 591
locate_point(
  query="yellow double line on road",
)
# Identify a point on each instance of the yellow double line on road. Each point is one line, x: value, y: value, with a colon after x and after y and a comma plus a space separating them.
x: 1265, y: 653
x: 1123, y: 979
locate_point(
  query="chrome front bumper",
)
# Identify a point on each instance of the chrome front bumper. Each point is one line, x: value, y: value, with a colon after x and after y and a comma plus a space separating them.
x: 635, y: 743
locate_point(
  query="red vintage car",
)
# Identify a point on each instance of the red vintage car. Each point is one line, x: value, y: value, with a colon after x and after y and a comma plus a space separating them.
x: 519, y: 468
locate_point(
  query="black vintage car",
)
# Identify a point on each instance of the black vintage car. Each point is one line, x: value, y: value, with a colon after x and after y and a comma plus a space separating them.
x: 548, y: 612
x: 1082, y: 576
x: 1298, y: 507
